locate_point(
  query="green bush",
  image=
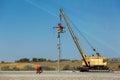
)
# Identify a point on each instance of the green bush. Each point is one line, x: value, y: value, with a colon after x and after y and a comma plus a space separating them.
x: 15, y: 69
x: 2, y: 61
x: 23, y: 60
x: 68, y: 67
x: 78, y: 68
x: 119, y: 66
x: 47, y: 68
x: 28, y: 68
x: 5, y: 68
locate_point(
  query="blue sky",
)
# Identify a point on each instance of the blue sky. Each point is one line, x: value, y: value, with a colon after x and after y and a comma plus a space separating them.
x: 26, y: 28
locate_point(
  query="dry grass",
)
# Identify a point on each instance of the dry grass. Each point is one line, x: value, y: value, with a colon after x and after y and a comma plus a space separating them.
x: 111, y: 64
x: 22, y: 65
x: 114, y: 65
x: 34, y: 64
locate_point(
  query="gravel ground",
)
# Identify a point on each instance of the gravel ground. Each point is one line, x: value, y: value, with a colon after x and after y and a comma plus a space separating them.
x: 52, y: 75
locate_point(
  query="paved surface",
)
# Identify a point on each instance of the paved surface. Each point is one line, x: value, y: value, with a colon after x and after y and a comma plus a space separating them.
x: 64, y: 75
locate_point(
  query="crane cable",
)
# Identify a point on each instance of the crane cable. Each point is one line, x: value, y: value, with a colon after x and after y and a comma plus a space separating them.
x: 84, y: 37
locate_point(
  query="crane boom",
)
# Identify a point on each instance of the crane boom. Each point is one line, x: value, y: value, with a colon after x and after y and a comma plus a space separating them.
x: 74, y: 38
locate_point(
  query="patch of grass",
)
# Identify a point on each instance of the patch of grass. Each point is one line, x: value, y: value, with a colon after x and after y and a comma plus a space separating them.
x: 28, y: 68
x: 64, y: 65
x: 5, y: 68
x: 68, y: 67
x: 47, y: 68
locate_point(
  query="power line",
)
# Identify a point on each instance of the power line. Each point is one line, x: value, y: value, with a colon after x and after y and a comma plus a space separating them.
x: 83, y: 36
x: 42, y: 8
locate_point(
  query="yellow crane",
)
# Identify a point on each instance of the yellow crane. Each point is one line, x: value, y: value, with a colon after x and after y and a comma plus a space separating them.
x: 92, y: 63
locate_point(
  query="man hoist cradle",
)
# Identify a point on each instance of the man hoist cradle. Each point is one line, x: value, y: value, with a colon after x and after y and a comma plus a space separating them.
x: 60, y: 28
x: 92, y: 63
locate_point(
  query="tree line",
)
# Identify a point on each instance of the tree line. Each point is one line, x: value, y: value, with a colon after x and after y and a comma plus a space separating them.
x: 32, y: 60
x: 45, y: 60
x: 39, y: 60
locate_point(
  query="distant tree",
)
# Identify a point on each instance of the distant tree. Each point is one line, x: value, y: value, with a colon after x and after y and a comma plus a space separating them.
x: 34, y: 60
x: 23, y: 60
x: 41, y: 59
x: 2, y: 61
x: 49, y: 60
x: 65, y: 60
x: 52, y: 60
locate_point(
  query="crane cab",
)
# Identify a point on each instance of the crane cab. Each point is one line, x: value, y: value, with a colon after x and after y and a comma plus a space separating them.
x: 95, y: 61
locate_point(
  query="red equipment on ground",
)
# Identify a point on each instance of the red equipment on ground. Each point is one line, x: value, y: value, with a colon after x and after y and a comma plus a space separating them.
x: 38, y: 70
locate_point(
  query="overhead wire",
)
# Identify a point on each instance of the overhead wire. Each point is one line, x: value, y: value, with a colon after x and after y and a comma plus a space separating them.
x: 44, y: 9
x: 83, y: 36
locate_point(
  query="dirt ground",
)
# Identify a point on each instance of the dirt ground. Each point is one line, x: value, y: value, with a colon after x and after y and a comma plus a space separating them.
x: 64, y: 75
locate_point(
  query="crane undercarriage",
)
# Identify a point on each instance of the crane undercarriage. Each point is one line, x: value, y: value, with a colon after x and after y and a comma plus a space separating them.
x: 95, y: 69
